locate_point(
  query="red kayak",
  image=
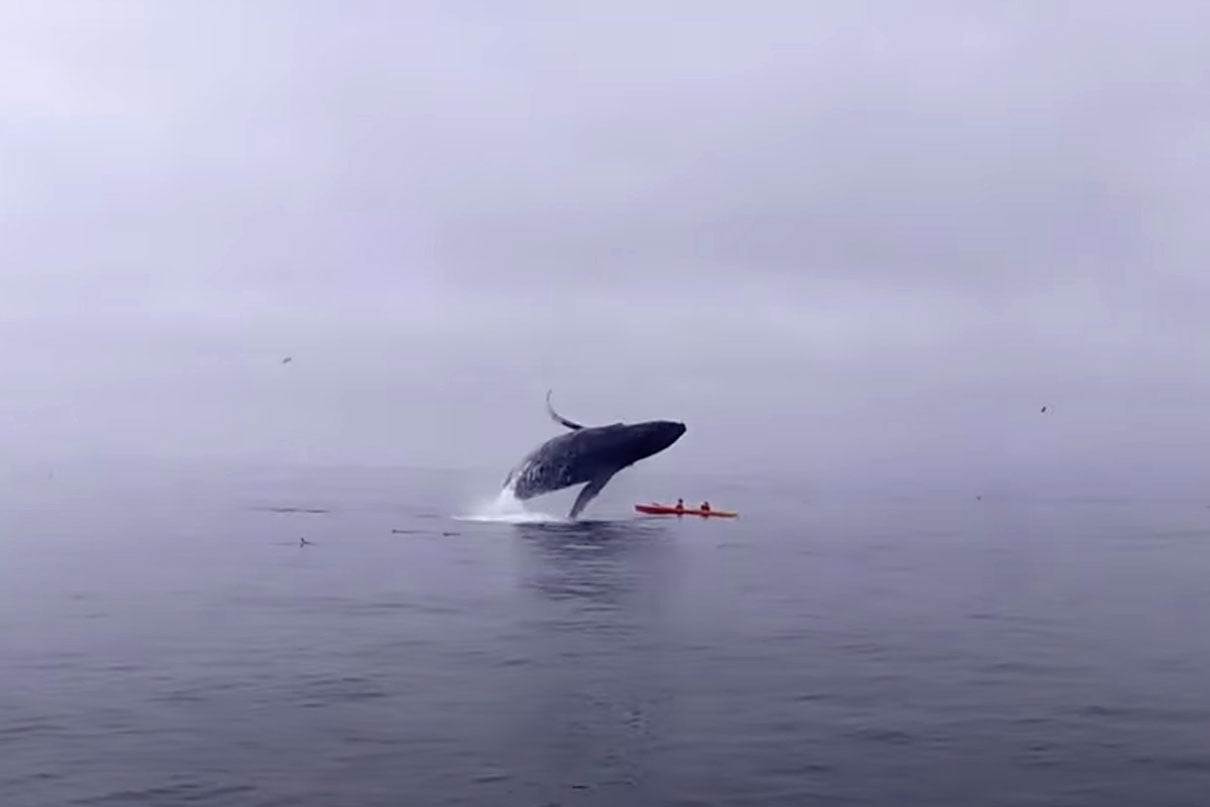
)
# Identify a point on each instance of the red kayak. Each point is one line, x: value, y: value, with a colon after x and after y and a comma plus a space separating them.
x: 673, y: 510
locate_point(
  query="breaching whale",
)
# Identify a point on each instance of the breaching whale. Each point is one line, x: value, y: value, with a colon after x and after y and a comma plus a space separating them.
x: 591, y: 454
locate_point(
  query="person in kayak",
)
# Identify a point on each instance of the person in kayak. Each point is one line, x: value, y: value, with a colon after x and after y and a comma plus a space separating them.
x: 705, y: 507
x: 680, y: 504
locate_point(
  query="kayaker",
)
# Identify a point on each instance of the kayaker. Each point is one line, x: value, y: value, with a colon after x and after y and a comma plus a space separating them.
x: 705, y: 507
x: 680, y: 504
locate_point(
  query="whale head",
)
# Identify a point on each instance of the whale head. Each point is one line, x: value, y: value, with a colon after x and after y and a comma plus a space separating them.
x: 645, y: 439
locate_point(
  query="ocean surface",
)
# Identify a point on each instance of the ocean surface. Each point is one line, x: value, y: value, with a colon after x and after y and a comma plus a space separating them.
x: 165, y: 640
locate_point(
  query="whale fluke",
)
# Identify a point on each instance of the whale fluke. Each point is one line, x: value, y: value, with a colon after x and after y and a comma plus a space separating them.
x: 571, y: 424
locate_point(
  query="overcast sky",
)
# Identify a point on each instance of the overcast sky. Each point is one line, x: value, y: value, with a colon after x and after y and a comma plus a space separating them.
x: 843, y: 238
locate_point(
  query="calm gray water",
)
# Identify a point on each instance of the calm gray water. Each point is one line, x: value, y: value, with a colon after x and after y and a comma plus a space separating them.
x: 165, y: 641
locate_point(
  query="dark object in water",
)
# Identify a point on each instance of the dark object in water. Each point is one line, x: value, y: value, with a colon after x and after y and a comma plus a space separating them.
x: 312, y: 510
x: 397, y: 531
x: 305, y: 542
x: 1044, y: 410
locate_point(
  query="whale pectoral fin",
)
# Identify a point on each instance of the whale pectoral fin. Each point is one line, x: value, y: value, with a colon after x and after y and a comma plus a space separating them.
x: 588, y: 493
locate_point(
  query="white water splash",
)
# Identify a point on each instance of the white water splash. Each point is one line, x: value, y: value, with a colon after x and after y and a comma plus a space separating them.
x: 507, y: 509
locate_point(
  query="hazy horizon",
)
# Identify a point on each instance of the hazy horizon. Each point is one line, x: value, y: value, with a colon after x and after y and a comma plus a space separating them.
x: 843, y: 243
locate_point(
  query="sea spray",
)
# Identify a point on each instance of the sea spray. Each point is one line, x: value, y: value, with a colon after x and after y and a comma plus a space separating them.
x: 506, y: 508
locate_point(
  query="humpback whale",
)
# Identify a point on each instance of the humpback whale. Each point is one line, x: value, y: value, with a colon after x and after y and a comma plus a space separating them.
x: 591, y: 454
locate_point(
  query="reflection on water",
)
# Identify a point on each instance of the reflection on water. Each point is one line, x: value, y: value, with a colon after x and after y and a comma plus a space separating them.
x: 575, y: 537
x: 595, y: 561
x: 596, y: 639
